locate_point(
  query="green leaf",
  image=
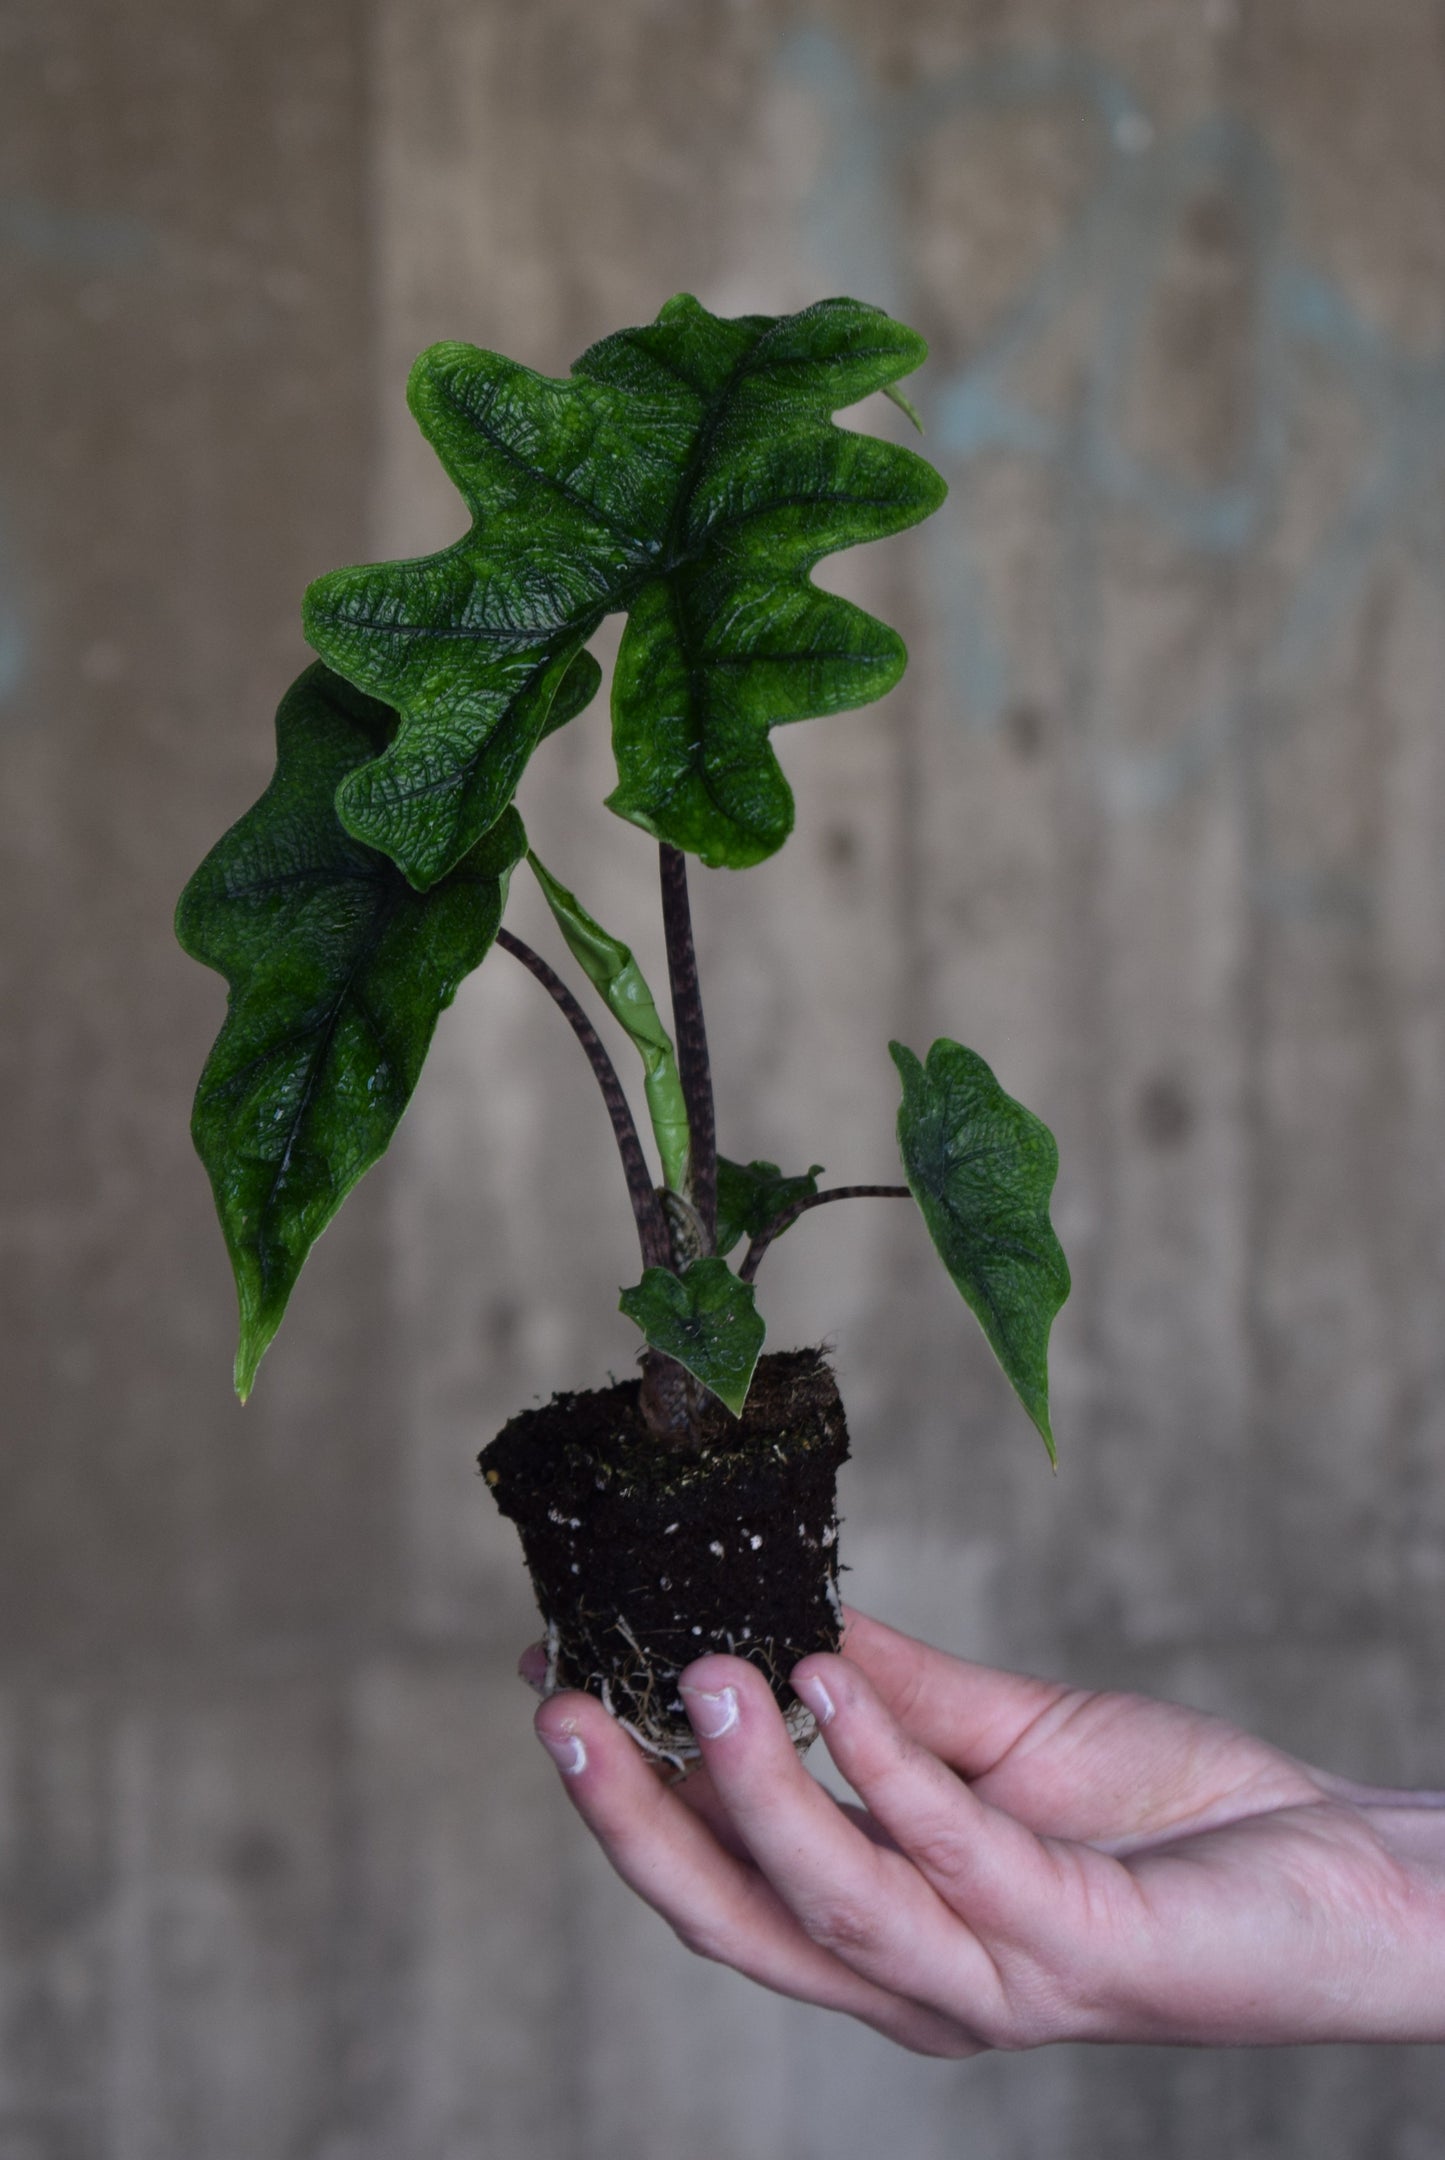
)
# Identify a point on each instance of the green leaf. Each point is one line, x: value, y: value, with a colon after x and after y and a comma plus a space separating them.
x: 752, y: 1195
x: 689, y: 473
x: 610, y: 967
x: 982, y: 1168
x: 337, y: 972
x: 706, y: 1319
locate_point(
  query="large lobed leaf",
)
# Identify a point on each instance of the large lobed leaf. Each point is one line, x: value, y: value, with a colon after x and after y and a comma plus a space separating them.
x: 688, y: 472
x: 981, y: 1168
x: 337, y: 970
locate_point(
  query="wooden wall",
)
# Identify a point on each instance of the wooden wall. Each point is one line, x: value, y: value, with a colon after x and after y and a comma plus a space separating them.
x: 1157, y: 822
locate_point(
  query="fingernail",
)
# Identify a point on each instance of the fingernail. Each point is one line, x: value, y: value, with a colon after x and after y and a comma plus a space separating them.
x: 711, y: 1715
x: 566, y: 1751
x: 816, y: 1696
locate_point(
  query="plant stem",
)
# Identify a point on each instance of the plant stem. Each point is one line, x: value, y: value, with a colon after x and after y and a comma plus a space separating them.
x: 789, y: 1215
x: 652, y: 1232
x: 694, y: 1068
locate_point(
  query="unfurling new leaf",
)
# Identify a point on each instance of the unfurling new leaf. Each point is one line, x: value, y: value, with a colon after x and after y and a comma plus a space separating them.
x: 752, y: 1195
x: 337, y: 972
x: 610, y: 967
x: 704, y: 1318
x: 981, y: 1168
x: 688, y: 473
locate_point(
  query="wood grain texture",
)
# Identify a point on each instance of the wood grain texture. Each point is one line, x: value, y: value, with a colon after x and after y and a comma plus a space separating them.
x: 1156, y: 823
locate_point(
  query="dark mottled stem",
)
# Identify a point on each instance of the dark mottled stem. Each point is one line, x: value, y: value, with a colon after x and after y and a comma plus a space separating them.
x: 651, y: 1227
x: 789, y: 1215
x: 693, y: 1067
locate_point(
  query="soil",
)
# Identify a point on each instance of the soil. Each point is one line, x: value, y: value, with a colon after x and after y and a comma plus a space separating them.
x: 643, y: 1560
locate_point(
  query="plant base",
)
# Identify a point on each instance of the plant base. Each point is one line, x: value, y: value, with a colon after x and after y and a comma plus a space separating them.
x: 642, y: 1559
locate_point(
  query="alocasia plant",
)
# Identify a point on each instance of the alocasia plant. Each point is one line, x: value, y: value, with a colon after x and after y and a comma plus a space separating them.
x: 688, y: 475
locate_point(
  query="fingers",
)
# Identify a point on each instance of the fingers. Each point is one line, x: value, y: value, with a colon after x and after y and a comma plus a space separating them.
x: 1061, y: 1922
x: 970, y: 1716
x: 696, y: 1790
x: 866, y: 1904
x: 985, y: 1864
x: 938, y: 1919
x: 715, y: 1901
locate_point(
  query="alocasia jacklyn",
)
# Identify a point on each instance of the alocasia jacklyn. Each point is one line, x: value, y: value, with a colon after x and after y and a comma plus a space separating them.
x: 688, y: 475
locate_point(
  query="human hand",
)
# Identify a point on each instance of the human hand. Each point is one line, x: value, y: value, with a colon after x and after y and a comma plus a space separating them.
x: 1032, y: 1862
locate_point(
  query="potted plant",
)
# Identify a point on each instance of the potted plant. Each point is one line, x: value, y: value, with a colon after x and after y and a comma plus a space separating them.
x: 689, y: 474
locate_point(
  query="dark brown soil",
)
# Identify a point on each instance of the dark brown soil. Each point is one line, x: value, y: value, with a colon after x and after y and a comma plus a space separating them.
x: 643, y: 1560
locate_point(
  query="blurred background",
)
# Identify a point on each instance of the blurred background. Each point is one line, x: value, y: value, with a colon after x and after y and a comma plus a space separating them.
x: 1156, y: 822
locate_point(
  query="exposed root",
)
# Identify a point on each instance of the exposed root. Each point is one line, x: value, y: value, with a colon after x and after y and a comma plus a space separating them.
x: 648, y: 1684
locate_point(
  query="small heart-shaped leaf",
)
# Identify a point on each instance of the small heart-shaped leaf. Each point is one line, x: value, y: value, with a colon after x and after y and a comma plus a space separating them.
x: 704, y: 1318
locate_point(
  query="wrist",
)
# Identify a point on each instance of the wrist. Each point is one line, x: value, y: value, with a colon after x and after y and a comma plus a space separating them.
x: 1412, y: 1830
